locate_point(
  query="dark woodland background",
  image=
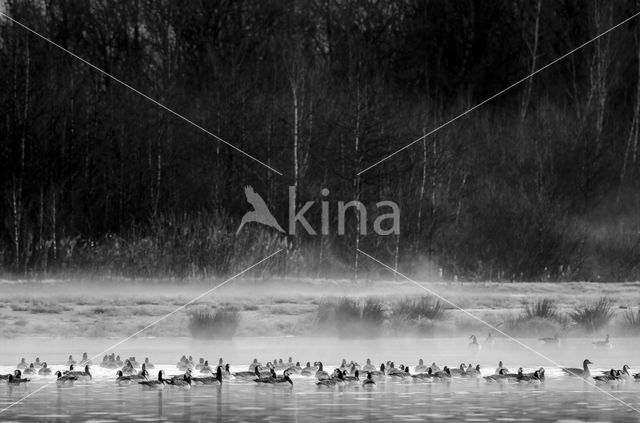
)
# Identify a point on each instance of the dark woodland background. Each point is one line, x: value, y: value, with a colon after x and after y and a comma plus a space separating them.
x: 540, y: 184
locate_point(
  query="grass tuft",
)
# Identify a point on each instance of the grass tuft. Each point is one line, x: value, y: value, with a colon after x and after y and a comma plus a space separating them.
x: 595, y: 316
x: 205, y: 323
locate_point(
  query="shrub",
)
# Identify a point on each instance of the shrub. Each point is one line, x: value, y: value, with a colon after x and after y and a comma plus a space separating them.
x: 544, y: 309
x: 594, y: 316
x: 418, y: 308
x: 208, y: 323
x: 632, y: 320
x: 348, y: 317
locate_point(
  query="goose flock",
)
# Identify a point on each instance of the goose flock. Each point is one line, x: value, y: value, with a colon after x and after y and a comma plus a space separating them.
x: 278, y: 372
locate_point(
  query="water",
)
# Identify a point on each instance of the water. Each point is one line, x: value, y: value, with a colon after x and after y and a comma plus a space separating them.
x: 101, y: 400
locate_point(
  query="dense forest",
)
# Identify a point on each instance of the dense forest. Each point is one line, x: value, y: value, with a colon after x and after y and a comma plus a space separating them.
x: 540, y: 183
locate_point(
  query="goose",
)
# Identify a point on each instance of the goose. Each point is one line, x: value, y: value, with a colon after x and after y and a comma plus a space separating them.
x: 355, y: 377
x: 181, y: 382
x: 423, y: 375
x: 535, y: 377
x: 22, y: 365
x: 434, y: 367
x: 5, y: 377
x: 308, y: 370
x: 274, y: 379
x: 472, y: 372
x: 368, y: 382
x: 393, y: 372
x: 584, y: 372
x: 420, y: 368
x: 70, y: 361
x: 551, y: 341
x: 612, y: 378
x: 344, y: 365
x: 321, y: 374
x: 603, y: 344
x: 65, y: 379
x: 500, y: 376
x: 295, y: 369
x: 623, y: 373
x: 154, y: 384
x: 44, y: 370
x: 118, y: 361
x: 205, y: 367
x: 85, y: 360
x: 128, y: 368
x: 225, y: 371
x: 380, y: 373
x: 489, y: 340
x: 38, y: 363
x: 255, y: 364
x: 333, y: 381
x: 459, y: 371
x: 251, y: 374
x: 200, y: 364
x: 86, y: 374
x: 474, y: 345
x: 368, y: 367
x: 148, y: 364
x: 123, y: 379
x: 143, y: 371
x: 134, y: 362
x: 209, y: 379
x: 354, y: 364
x: 442, y: 375
x: 31, y: 370
x: 500, y: 368
x: 17, y: 378
x: 636, y: 377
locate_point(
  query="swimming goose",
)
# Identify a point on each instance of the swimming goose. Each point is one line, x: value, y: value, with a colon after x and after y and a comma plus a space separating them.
x: 420, y: 368
x: 399, y: 372
x: 380, y: 373
x: 584, y: 372
x: 205, y: 367
x: 255, y: 373
x: 308, y: 370
x: 275, y: 379
x: 134, y: 362
x: 128, y: 368
x: 22, y: 365
x: 442, y: 375
x: 31, y: 370
x: 295, y: 369
x: 623, y: 373
x: 65, y: 379
x: 423, y: 375
x: 321, y: 374
x: 501, y: 367
x: 368, y: 382
x: 148, y: 364
x: 37, y: 363
x: 44, y: 370
x: 208, y: 380
x: 551, y: 341
x: 81, y: 375
x: 474, y: 345
x: 355, y: 377
x: 612, y: 378
x: 123, y: 379
x: 183, y: 382
x: 85, y: 359
x: 603, y: 344
x: 472, y: 372
x: 368, y: 367
x: 255, y: 364
x: 17, y: 378
x: 333, y: 381
x: 143, y: 371
x: 70, y: 361
x: 200, y: 364
x: 459, y: 371
x: 118, y: 361
x: 535, y: 377
x: 501, y: 376
x: 154, y: 384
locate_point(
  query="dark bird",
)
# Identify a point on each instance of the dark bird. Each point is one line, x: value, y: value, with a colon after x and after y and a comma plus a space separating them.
x: 260, y: 212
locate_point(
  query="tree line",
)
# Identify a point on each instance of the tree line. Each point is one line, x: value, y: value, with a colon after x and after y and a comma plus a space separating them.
x: 538, y: 184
